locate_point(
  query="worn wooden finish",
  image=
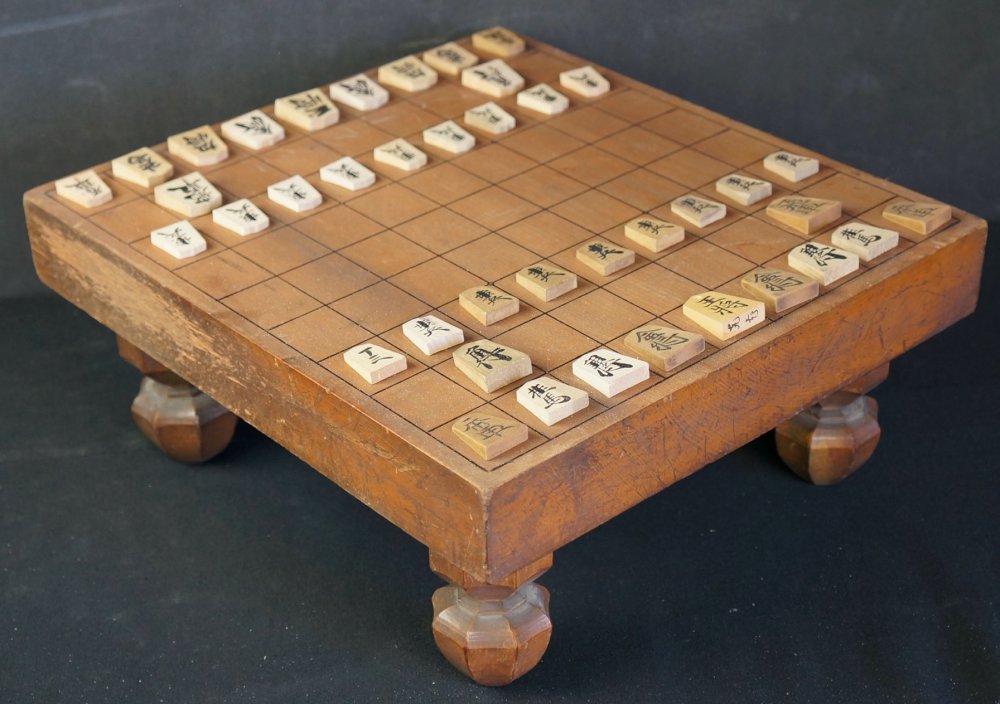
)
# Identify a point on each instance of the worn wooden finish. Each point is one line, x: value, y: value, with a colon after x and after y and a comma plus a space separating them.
x: 261, y: 322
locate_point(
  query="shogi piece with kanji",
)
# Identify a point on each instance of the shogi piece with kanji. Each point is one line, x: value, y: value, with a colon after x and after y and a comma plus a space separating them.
x: 200, y: 146
x: 610, y: 372
x: 605, y: 257
x: 543, y: 98
x: 374, y: 363
x: 86, y: 189
x: 359, y: 92
x: 400, y: 154
x: 491, y: 366
x: 254, y: 130
x: 295, y: 193
x: 700, y: 212
x: 499, y: 41
x: 791, y: 167
x: 546, y: 282
x: 190, y: 195
x: 143, y: 167
x: 653, y: 234
x: 585, y: 81
x: 867, y: 241
x: 450, y: 137
x: 490, y: 117
x: 310, y: 110
x: 490, y: 435
x: 348, y: 173
x: 408, y: 73
x: 242, y: 217
x: 779, y: 289
x: 450, y: 58
x: 805, y: 215
x: 743, y: 189
x: 923, y: 218
x: 550, y: 400
x: 493, y: 78
x: 430, y: 334
x: 722, y: 314
x: 180, y: 240
x: 823, y: 262
x: 488, y: 304
x: 664, y: 347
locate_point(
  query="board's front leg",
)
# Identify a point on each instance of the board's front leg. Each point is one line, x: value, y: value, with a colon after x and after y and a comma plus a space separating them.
x: 830, y: 440
x: 494, y: 633
x: 185, y: 423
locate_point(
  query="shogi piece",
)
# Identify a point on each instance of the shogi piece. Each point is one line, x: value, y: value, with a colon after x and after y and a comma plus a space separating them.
x: 822, y: 262
x: 449, y: 136
x: 778, y: 289
x: 450, y: 58
x: 546, y: 282
x: 724, y: 315
x: 400, y: 154
x: 491, y: 366
x: 499, y: 41
x: 86, y: 189
x: 791, y: 167
x: 190, y: 195
x: 605, y: 257
x: 488, y: 304
x: 550, y: 400
x: 745, y: 190
x: 431, y: 334
x: 254, y: 130
x: 698, y: 211
x: 610, y: 372
x: 242, y: 217
x: 663, y: 347
x: 805, y: 215
x: 374, y: 363
x: 543, y: 98
x: 490, y: 436
x: 200, y: 146
x: 295, y: 193
x: 585, y: 81
x: 180, y: 240
x: 359, y: 92
x: 867, y: 241
x: 490, y: 117
x: 408, y: 73
x: 143, y: 167
x: 311, y: 110
x: 347, y: 173
x: 494, y: 78
x: 655, y: 235
x: 924, y: 218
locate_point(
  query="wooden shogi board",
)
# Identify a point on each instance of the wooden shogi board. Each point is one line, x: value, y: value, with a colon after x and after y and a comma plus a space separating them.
x: 260, y: 322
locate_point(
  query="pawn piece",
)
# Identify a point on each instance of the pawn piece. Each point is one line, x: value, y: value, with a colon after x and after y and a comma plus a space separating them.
x: 400, y: 154
x: 190, y: 195
x: 450, y: 58
x: 805, y: 215
x: 604, y: 257
x: 546, y: 282
x: 543, y: 98
x: 550, y: 400
x: 743, y: 189
x: 791, y: 167
x: 310, y: 110
x: 491, y: 366
x: 374, y: 363
x: 779, y: 290
x: 254, y: 130
x: 242, y: 217
x: 724, y: 315
x: 499, y: 41
x: 450, y: 137
x: 924, y: 218
x: 488, y: 435
x: 431, y: 334
x: 494, y: 78
x: 610, y: 372
x: 408, y: 73
x: 86, y: 189
x: 180, y: 240
x: 200, y: 146
x: 585, y: 81
x: 359, y: 92
x: 822, y: 262
x: 664, y: 347
x: 490, y: 117
x: 347, y: 173
x: 487, y: 304
x: 143, y: 167
x: 295, y: 193
x: 655, y: 235
x: 700, y: 212
x: 867, y: 241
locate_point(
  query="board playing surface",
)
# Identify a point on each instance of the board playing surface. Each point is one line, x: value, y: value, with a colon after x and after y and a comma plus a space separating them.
x: 261, y: 322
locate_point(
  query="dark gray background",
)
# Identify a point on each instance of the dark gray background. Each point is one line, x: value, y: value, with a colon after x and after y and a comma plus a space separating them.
x: 124, y: 577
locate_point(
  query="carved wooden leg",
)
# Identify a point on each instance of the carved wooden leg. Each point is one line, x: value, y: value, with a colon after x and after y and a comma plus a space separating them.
x: 182, y: 421
x: 828, y: 441
x: 494, y: 633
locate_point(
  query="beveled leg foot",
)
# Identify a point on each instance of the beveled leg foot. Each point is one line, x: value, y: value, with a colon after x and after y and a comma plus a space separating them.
x: 185, y: 423
x: 494, y: 633
x: 830, y: 440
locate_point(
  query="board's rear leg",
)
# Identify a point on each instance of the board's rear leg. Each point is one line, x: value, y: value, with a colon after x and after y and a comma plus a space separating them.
x: 830, y: 440
x: 185, y: 423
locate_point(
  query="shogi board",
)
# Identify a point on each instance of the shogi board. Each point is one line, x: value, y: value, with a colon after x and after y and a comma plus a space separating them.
x: 260, y: 322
